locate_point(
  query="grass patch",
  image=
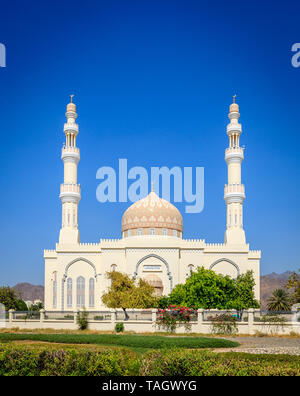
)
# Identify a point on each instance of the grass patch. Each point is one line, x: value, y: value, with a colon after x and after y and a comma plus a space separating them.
x: 130, y: 341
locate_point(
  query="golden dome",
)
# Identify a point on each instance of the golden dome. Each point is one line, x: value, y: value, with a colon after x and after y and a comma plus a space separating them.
x: 152, y: 212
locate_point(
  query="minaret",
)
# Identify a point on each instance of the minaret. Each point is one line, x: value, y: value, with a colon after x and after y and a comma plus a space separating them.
x: 70, y: 191
x: 234, y: 193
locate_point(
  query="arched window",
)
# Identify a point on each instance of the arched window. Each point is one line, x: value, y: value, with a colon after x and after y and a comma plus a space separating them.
x: 152, y: 231
x: 140, y: 231
x: 91, y: 292
x: 54, y: 289
x: 80, y: 292
x: 69, y: 292
x: 164, y: 231
x: 190, y: 269
x: 113, y: 267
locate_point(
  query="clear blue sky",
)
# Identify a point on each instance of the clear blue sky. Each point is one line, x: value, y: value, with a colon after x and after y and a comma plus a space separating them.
x: 153, y: 81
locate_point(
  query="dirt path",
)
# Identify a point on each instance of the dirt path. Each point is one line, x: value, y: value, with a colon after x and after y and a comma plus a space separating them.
x: 262, y: 345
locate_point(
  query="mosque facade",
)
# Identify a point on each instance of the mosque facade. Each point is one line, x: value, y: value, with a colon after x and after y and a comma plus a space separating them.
x: 152, y: 246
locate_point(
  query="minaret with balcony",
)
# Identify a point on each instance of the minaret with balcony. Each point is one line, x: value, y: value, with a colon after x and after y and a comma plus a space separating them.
x: 70, y: 193
x: 234, y: 193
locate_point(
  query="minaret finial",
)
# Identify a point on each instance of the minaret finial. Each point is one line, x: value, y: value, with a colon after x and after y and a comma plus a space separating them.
x: 234, y: 96
x: 71, y: 98
x: 152, y: 185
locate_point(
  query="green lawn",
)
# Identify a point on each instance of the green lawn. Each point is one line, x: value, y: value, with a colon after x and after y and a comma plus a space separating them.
x: 139, y: 343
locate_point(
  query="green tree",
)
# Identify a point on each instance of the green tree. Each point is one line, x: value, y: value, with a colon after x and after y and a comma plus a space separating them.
x: 37, y: 307
x: 82, y: 319
x: 10, y: 299
x: 280, y: 300
x: 125, y: 292
x: 244, y: 292
x: 21, y: 306
x: 208, y: 290
x: 293, y: 284
x: 163, y: 302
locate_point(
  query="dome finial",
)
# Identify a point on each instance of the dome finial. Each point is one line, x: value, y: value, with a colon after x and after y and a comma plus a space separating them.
x: 71, y: 107
x: 152, y: 185
x: 234, y: 107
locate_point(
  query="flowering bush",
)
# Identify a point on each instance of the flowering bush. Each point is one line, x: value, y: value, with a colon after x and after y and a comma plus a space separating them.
x: 174, y: 316
x: 224, y: 323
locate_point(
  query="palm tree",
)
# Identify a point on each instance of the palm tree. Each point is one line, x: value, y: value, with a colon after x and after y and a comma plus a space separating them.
x: 279, y: 301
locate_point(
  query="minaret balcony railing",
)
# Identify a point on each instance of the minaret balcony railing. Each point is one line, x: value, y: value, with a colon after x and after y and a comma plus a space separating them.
x: 234, y: 128
x: 71, y: 114
x: 234, y: 153
x: 70, y: 154
x: 66, y: 188
x: 234, y: 188
x: 70, y: 193
x: 70, y: 149
x: 71, y: 127
x: 234, y: 193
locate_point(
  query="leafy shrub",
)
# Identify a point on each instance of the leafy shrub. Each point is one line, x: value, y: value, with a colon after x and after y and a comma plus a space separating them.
x: 273, y: 322
x: 69, y: 361
x: 175, y: 316
x: 68, y: 317
x: 33, y: 361
x: 119, y: 327
x: 32, y: 315
x: 205, y: 363
x: 224, y: 323
x: 163, y: 302
x: 82, y: 320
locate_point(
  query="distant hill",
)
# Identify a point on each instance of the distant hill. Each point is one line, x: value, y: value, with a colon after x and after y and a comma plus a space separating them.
x: 271, y: 282
x: 30, y: 292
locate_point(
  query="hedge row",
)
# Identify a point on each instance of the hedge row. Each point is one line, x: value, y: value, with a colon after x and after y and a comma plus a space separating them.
x: 205, y: 363
x: 28, y: 361
x: 44, y: 361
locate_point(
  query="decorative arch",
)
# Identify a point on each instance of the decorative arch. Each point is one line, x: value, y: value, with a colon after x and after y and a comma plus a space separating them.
x: 228, y: 261
x: 190, y: 269
x: 159, y: 258
x: 66, y: 274
x: 80, y: 259
x: 113, y: 267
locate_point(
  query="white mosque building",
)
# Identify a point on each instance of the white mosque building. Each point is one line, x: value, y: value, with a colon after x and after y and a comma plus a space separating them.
x: 152, y: 244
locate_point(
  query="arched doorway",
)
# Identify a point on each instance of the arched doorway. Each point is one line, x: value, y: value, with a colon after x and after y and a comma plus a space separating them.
x: 156, y: 282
